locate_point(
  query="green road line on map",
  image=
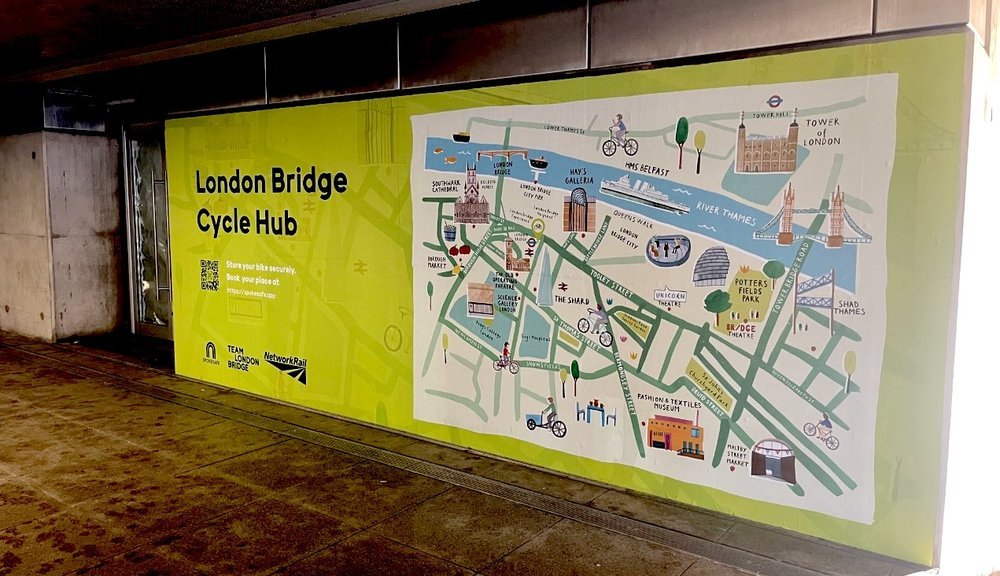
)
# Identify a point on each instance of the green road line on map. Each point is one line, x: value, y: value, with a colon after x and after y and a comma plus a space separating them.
x: 617, y: 261
x: 796, y: 431
x: 622, y: 379
x: 635, y: 335
x: 670, y: 353
x: 606, y: 371
x: 431, y: 350
x: 803, y: 441
x: 475, y: 408
x: 600, y: 238
x: 782, y: 338
x: 838, y: 328
x: 821, y: 360
x: 838, y: 399
x: 649, y: 340
x: 471, y: 403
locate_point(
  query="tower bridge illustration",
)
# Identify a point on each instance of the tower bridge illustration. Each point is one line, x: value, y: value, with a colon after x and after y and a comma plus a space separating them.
x: 833, y: 238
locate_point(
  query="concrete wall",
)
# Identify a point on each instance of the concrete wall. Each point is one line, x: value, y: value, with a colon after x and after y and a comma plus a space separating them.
x: 60, y: 263
x: 25, y: 274
x: 83, y: 190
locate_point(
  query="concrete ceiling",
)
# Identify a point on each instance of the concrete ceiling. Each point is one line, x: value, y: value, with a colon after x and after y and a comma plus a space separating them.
x: 43, y: 40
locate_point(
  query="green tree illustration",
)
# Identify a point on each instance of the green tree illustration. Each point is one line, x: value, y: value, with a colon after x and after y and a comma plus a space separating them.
x: 562, y: 376
x: 699, y: 145
x: 850, y: 365
x: 430, y: 295
x: 574, y: 369
x: 774, y: 270
x: 444, y: 346
x: 717, y: 302
x: 681, y: 137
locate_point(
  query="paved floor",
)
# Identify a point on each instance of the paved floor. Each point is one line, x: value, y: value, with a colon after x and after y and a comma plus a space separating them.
x: 112, y: 465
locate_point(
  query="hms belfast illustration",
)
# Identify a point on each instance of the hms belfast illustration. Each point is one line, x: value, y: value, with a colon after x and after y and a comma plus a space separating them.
x: 642, y: 192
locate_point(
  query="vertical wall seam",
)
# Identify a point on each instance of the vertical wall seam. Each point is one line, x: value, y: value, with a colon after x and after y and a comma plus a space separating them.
x: 48, y: 235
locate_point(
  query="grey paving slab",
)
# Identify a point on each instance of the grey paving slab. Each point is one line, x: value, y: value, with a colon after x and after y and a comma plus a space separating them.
x: 445, y: 456
x: 37, y: 375
x: 543, y: 482
x: 369, y: 555
x: 145, y: 562
x: 708, y: 568
x: 55, y: 544
x: 364, y: 492
x: 214, y: 443
x: 168, y: 505
x: 254, y: 539
x: 283, y: 465
x: 182, y: 385
x: 572, y: 548
x: 13, y: 360
x: 660, y: 513
x: 467, y: 528
x: 828, y: 559
x: 20, y: 503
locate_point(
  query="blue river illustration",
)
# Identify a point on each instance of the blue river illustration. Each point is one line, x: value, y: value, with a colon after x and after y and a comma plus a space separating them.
x: 737, y: 232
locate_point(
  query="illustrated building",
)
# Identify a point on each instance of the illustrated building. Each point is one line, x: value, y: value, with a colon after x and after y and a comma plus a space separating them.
x: 677, y: 434
x: 773, y: 459
x: 513, y: 263
x: 579, y: 212
x: 480, y: 298
x: 712, y: 267
x: 472, y: 208
x: 835, y: 239
x: 767, y: 154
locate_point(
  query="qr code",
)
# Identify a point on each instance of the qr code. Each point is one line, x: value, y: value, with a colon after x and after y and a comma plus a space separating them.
x: 210, y: 275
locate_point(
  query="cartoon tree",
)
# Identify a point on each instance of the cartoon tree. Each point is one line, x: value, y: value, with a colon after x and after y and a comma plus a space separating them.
x: 444, y: 345
x: 699, y: 145
x: 850, y: 365
x: 681, y: 136
x: 575, y: 371
x: 562, y: 376
x: 774, y: 270
x: 718, y: 302
x: 430, y: 295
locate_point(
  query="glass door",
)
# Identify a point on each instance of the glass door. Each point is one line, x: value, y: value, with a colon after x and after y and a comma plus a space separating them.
x: 148, y: 227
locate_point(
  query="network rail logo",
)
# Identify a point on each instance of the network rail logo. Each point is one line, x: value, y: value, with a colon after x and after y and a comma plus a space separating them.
x: 294, y: 366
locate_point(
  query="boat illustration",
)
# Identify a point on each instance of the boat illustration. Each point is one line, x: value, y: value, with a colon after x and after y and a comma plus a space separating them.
x: 461, y: 136
x: 539, y: 163
x: 642, y: 192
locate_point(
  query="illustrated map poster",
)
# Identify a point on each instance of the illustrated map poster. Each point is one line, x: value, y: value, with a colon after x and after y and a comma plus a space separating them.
x: 670, y: 287
x: 691, y: 283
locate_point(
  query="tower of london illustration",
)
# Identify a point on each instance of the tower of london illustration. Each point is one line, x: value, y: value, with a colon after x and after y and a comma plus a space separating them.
x: 767, y: 154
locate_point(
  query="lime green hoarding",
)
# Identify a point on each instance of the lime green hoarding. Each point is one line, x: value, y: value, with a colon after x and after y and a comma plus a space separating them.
x: 726, y: 284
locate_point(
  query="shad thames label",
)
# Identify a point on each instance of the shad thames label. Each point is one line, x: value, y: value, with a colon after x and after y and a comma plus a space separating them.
x: 263, y: 222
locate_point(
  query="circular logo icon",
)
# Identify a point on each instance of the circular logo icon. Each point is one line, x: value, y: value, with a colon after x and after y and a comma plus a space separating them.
x: 774, y: 101
x: 538, y: 227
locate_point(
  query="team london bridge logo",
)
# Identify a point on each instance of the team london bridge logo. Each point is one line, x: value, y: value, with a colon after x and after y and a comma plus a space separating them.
x: 291, y: 365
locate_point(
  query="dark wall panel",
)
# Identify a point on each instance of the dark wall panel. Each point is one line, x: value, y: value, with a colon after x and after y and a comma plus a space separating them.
x: 634, y: 31
x: 490, y: 40
x: 351, y: 60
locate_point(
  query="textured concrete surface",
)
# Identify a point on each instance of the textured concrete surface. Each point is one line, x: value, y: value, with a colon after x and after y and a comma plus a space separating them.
x: 104, y: 470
